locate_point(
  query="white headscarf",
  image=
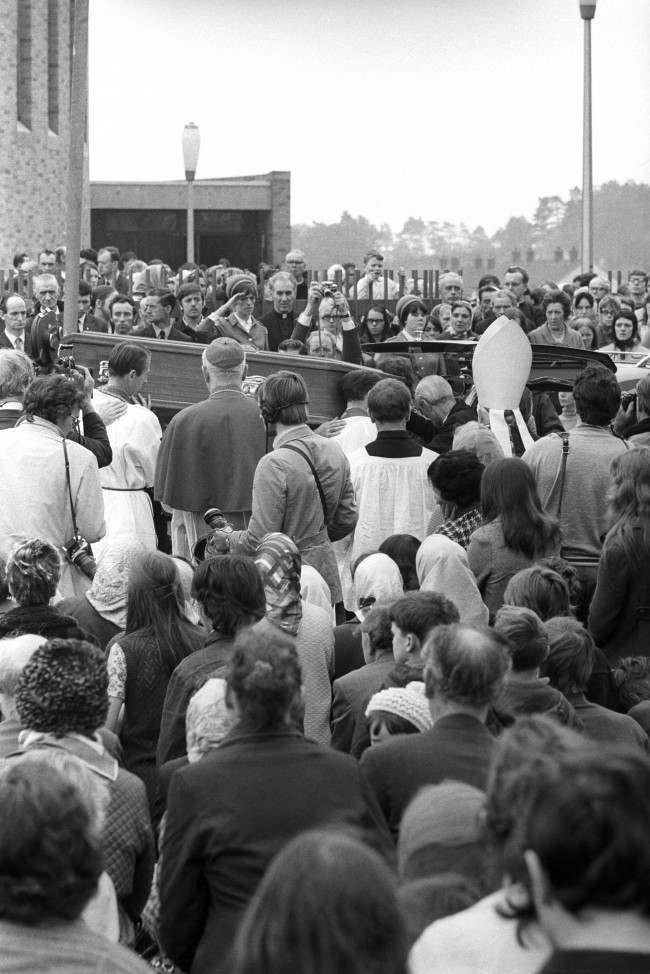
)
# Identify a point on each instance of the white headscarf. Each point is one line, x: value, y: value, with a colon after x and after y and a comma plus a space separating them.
x: 377, y: 577
x: 442, y: 566
x: 314, y: 589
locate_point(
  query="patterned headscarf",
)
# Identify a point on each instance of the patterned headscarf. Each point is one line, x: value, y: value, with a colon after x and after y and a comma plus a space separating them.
x: 278, y: 561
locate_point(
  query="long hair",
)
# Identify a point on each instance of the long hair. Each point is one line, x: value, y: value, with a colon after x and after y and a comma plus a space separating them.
x: 154, y: 607
x: 509, y: 491
x: 327, y: 903
x: 628, y: 500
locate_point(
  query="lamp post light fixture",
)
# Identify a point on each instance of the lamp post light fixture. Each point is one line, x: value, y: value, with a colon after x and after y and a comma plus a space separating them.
x: 587, y: 13
x: 191, y: 145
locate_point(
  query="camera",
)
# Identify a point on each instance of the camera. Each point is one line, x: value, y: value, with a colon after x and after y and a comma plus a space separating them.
x: 218, y: 541
x: 328, y: 289
x: 80, y: 554
x: 66, y: 365
x: 627, y: 398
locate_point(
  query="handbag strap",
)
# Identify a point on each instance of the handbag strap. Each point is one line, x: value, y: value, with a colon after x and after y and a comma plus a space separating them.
x: 67, y: 477
x: 565, y: 454
x: 308, y: 460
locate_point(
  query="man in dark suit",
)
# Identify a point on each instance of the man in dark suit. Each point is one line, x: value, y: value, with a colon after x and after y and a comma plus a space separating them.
x: 156, y: 309
x: 464, y: 672
x: 350, y: 692
x: 16, y: 332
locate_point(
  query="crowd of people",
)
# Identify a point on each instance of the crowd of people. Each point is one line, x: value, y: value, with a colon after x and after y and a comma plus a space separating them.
x: 370, y: 696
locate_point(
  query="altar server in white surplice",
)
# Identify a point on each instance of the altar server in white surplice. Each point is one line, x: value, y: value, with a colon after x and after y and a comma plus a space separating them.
x: 135, y: 441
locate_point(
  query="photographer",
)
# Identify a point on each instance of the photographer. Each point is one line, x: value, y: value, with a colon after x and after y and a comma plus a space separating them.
x: 43, y: 474
x: 326, y: 304
x: 633, y: 418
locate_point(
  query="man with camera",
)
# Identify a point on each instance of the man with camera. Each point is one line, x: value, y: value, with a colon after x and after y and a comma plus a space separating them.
x: 50, y: 484
x: 210, y: 451
x: 327, y: 306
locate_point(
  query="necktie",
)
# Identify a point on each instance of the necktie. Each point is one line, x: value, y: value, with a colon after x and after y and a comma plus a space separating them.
x: 161, y: 334
x: 18, y: 344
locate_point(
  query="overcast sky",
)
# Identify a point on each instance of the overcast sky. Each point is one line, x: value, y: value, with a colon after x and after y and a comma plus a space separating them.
x: 458, y: 110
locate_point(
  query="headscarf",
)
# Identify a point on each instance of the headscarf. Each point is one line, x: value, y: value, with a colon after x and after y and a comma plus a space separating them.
x: 442, y: 566
x: 376, y: 579
x: 314, y: 589
x: 208, y: 719
x: 108, y: 591
x: 278, y: 561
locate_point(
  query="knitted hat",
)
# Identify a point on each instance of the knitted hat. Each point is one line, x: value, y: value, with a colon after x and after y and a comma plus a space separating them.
x: 240, y: 284
x: 408, y: 702
x: 405, y: 304
x: 225, y: 353
x: 63, y: 689
x: 445, y: 815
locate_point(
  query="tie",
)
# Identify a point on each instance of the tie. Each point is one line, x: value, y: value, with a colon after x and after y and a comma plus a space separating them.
x: 161, y: 334
x: 18, y: 344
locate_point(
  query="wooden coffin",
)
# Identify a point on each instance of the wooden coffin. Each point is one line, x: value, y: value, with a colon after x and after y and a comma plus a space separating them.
x: 175, y: 379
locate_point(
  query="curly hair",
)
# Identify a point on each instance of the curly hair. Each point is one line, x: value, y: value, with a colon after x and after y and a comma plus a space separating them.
x: 457, y: 476
x: 33, y: 572
x: 266, y: 679
x: 50, y: 854
x: 230, y: 591
x: 63, y: 689
x: 51, y: 397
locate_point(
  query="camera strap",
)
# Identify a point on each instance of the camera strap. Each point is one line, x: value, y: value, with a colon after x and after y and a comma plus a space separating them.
x: 67, y: 477
x: 308, y: 461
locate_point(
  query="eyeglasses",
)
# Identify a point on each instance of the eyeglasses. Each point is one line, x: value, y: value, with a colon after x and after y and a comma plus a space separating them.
x: 47, y: 292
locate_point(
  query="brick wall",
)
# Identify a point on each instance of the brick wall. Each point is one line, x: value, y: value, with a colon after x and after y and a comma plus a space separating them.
x: 33, y: 160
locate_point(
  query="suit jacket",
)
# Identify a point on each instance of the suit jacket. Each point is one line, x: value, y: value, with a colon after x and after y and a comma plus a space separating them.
x: 228, y: 815
x: 458, y: 747
x: 148, y: 331
x: 27, y: 340
x: 350, y: 696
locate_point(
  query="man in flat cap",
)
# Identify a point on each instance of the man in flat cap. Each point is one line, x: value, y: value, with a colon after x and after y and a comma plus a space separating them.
x: 210, y: 450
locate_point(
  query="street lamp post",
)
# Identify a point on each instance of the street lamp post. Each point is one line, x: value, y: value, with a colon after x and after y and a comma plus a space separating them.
x: 587, y: 12
x: 191, y: 145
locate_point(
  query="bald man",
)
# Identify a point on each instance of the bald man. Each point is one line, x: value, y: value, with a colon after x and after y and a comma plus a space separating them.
x: 15, y: 654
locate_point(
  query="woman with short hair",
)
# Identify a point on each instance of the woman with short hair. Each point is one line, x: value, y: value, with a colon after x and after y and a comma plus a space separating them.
x: 626, y: 336
x: 555, y: 330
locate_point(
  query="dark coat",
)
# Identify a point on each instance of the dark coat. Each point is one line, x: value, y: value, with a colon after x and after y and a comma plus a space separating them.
x: 458, y: 747
x: 350, y: 696
x: 148, y: 331
x: 279, y: 327
x: 27, y: 341
x: 227, y: 817
x: 460, y: 414
x: 619, y: 616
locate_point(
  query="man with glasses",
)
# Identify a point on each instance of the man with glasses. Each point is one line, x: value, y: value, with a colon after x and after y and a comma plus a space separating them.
x: 334, y: 318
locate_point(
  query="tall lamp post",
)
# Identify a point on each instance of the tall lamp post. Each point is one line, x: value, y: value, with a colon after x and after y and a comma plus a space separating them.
x: 587, y: 12
x: 191, y: 145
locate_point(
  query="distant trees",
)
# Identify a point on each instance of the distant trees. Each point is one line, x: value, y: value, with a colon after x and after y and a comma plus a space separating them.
x: 621, y: 234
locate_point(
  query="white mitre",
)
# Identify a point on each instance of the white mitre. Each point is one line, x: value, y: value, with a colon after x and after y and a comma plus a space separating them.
x: 500, y: 370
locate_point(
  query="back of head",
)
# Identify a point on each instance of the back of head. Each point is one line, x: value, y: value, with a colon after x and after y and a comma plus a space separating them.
x: 590, y: 830
x: 356, y: 385
x: 389, y: 401
x: 284, y: 399
x: 50, y: 851
x: 571, y: 655
x: 128, y: 357
x: 597, y: 395
x: 33, y: 572
x: 327, y: 903
x: 441, y: 818
x: 540, y: 589
x: 266, y: 679
x: 16, y: 372
x: 403, y: 548
x: 51, y: 397
x: 456, y: 476
x: 435, y: 391
x: 643, y: 395
x: 525, y: 634
x: 479, y: 440
x: 230, y: 592
x: 15, y: 653
x: 376, y: 626
x: 420, y: 613
x: 63, y: 689
x: 464, y: 666
x: 399, y: 367
x: 525, y: 760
